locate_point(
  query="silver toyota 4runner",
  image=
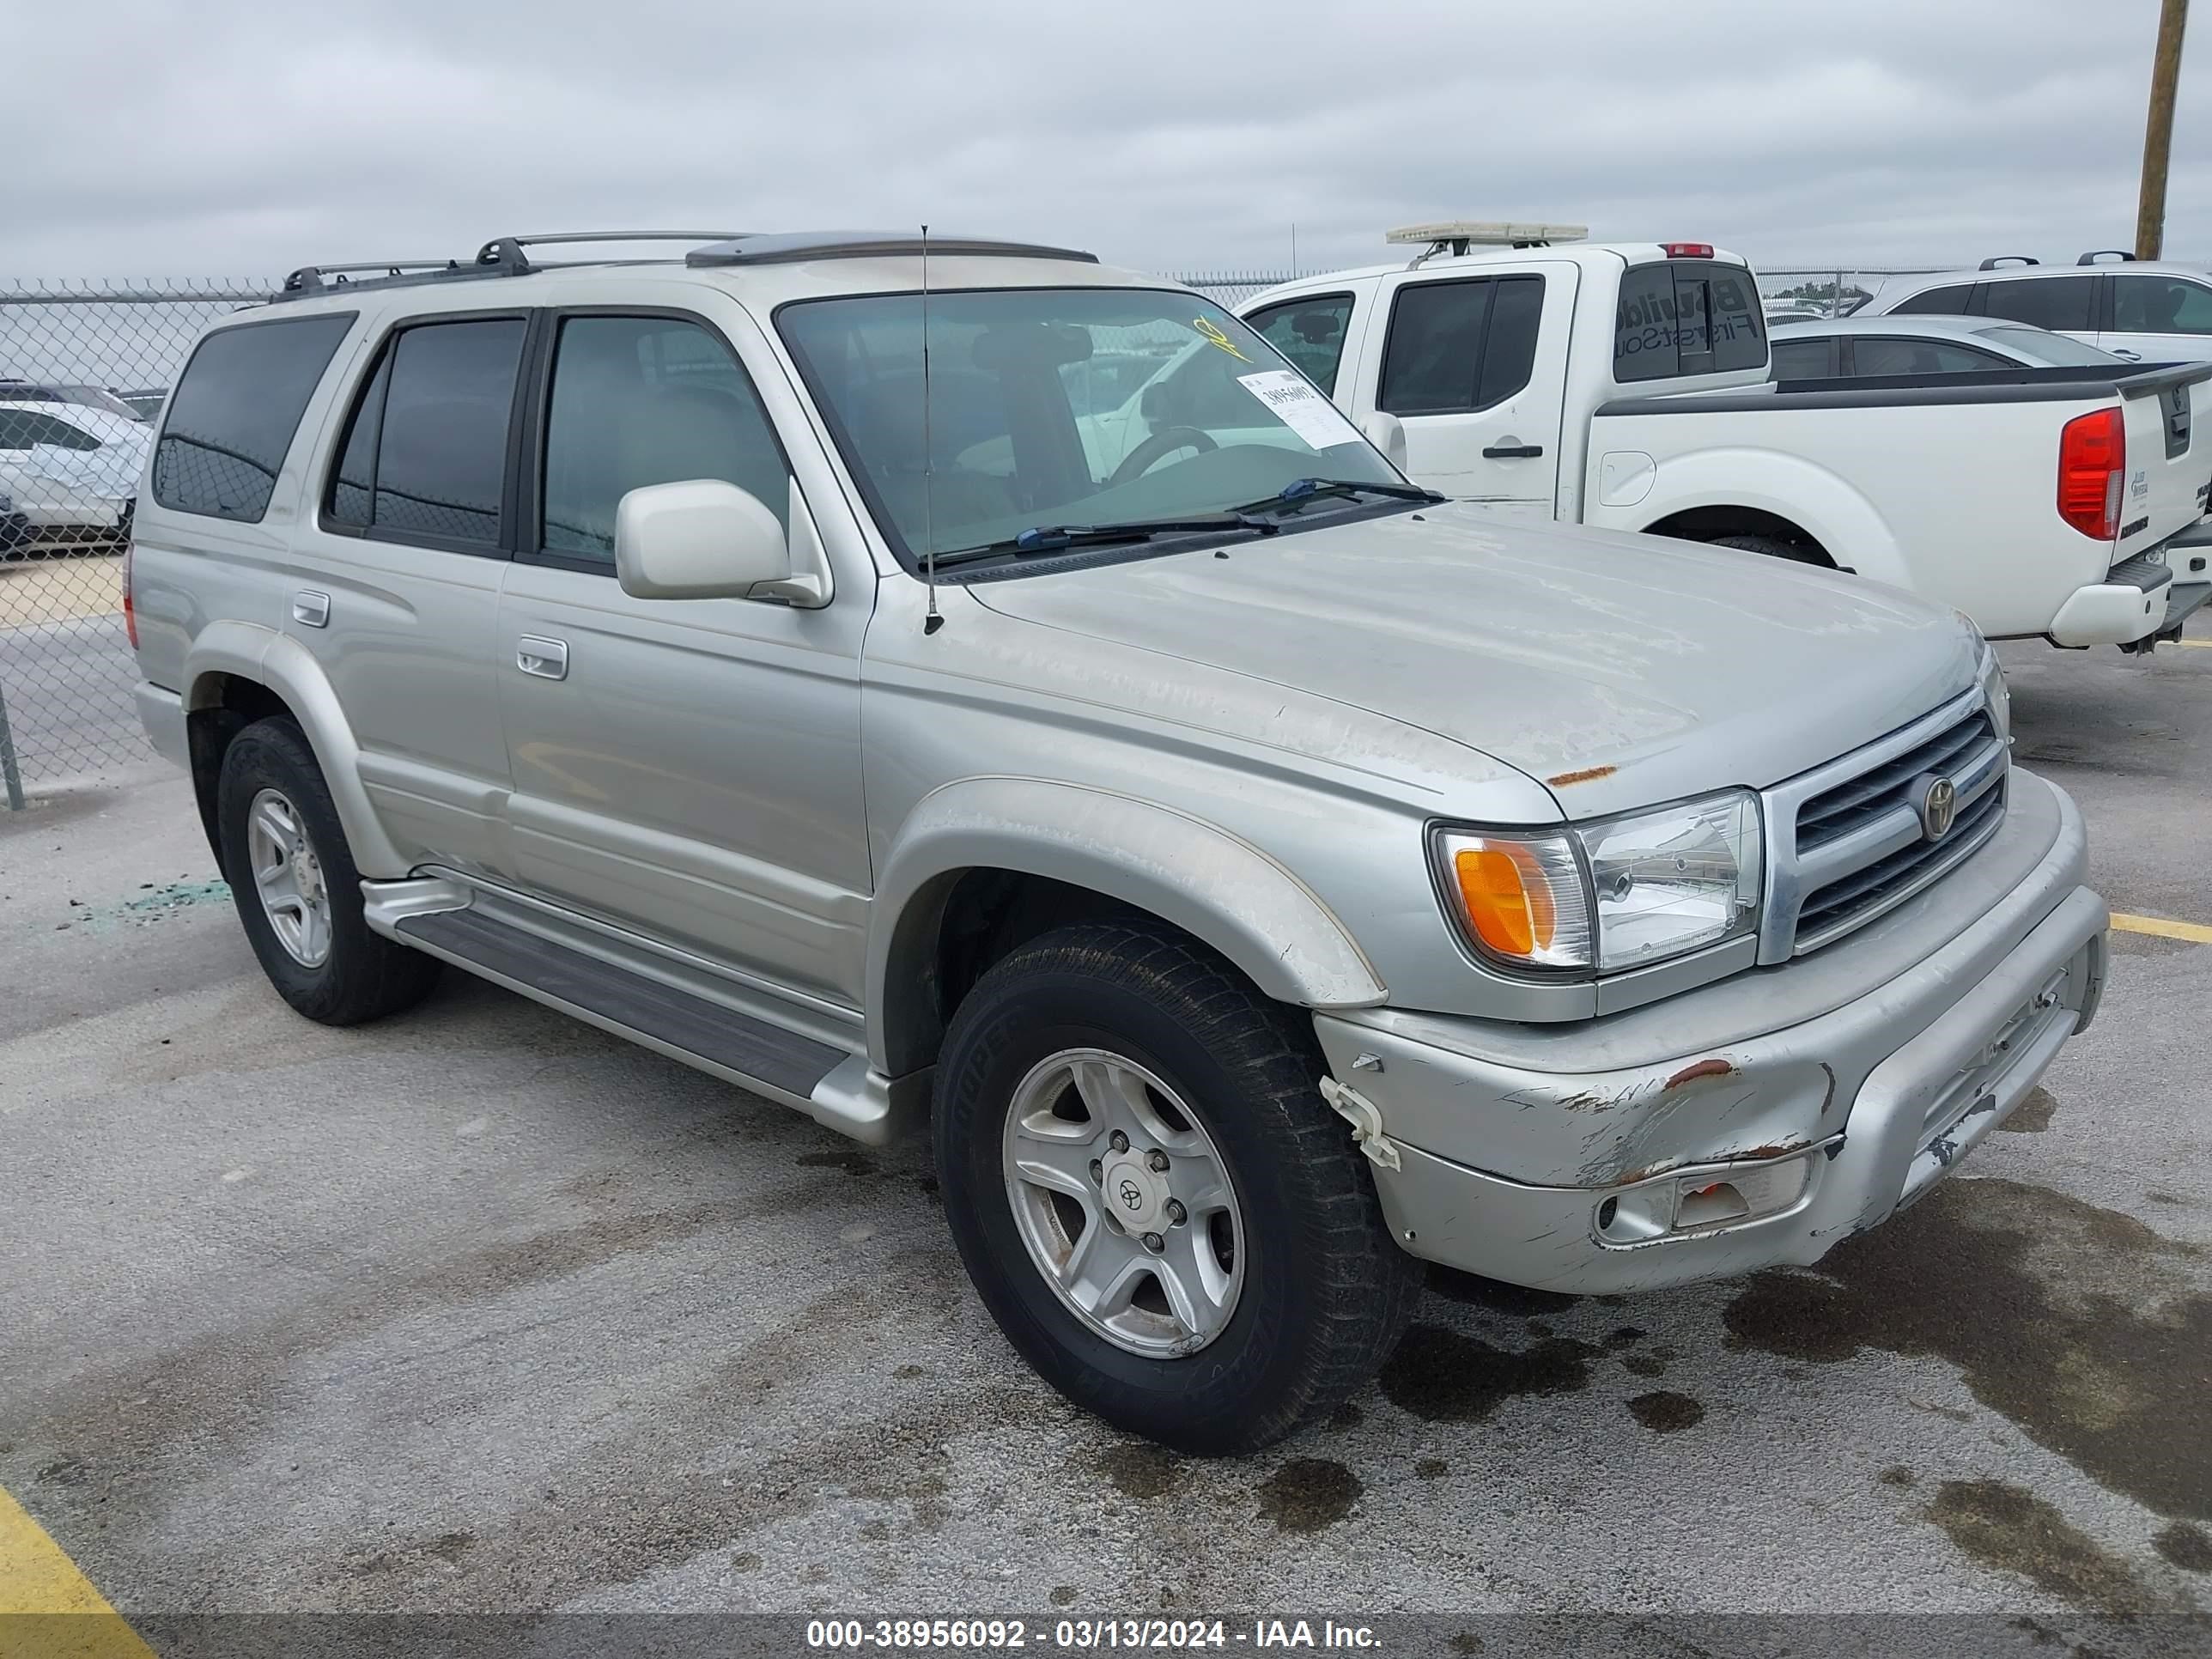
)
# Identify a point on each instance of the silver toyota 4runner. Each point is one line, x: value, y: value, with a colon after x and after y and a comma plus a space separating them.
x: 997, y: 688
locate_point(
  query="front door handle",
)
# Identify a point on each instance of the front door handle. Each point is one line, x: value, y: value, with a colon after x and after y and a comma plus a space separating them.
x: 547, y: 659
x: 311, y: 608
x: 1512, y: 452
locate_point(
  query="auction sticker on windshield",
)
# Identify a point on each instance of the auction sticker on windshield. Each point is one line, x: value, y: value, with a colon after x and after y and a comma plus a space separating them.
x: 1300, y: 408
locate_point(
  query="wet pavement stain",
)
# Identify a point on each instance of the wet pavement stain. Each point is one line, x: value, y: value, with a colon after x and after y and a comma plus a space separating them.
x: 1344, y: 1417
x: 1649, y: 1362
x: 2008, y: 1527
x: 2032, y: 1116
x: 1431, y: 1468
x: 1140, y: 1471
x: 2186, y: 1545
x: 1308, y: 1494
x: 1444, y: 1377
x: 2064, y: 1317
x: 1475, y: 1292
x: 1898, y: 1475
x: 1664, y: 1411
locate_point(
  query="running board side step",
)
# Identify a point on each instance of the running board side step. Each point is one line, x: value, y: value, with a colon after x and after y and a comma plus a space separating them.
x: 831, y: 1084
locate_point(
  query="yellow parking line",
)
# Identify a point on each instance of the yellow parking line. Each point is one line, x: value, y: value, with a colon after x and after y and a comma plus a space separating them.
x: 2195, y: 932
x: 48, y: 1609
x: 2200, y: 645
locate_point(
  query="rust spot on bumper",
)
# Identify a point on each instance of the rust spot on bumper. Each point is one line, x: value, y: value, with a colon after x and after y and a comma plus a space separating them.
x: 1588, y: 775
x: 1701, y: 1068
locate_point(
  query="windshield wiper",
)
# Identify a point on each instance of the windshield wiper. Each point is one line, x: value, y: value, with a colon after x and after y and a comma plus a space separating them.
x: 1301, y: 491
x: 1059, y: 538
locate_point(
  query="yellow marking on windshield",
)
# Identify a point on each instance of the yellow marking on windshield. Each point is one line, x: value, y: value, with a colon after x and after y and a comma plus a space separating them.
x: 1213, y: 331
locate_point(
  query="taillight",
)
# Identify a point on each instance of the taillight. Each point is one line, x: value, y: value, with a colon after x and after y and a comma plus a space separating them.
x: 130, y: 606
x: 1688, y: 250
x: 2093, y: 459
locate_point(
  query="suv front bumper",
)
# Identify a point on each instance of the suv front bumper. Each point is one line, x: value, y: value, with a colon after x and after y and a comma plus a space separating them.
x: 1722, y: 1159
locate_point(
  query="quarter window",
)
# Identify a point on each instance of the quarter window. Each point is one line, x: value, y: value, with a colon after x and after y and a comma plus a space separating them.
x: 2054, y: 302
x: 425, y: 453
x: 1804, y: 360
x: 24, y: 429
x: 1947, y: 302
x: 2161, y: 304
x: 648, y: 400
x: 1309, y: 332
x: 1457, y: 347
x: 232, y: 415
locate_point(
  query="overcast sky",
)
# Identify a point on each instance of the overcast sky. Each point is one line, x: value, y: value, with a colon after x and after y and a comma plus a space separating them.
x: 208, y: 137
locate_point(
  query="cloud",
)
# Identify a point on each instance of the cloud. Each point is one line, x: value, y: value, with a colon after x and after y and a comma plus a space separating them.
x: 221, y: 138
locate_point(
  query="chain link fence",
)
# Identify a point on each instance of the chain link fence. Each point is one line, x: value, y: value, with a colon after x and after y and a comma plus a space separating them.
x: 83, y: 368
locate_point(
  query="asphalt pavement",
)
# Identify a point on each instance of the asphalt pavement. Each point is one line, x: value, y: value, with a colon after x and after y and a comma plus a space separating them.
x: 479, y: 1309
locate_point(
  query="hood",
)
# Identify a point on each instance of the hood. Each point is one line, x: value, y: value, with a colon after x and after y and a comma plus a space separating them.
x: 1620, y: 670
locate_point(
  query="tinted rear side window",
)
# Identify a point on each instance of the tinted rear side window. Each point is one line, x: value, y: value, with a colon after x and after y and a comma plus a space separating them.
x: 2059, y: 302
x: 1804, y: 360
x: 26, y: 428
x: 2161, y: 304
x: 1903, y: 355
x: 425, y: 452
x: 1455, y: 348
x: 1951, y: 302
x: 232, y: 417
x: 1686, y: 317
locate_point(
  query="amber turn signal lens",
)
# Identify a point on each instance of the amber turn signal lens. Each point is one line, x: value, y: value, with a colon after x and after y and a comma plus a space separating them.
x: 1507, y: 898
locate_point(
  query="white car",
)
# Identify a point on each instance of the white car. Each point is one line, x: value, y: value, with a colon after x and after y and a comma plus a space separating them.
x: 1851, y: 347
x: 72, y: 470
x: 1627, y: 386
x: 2142, y: 312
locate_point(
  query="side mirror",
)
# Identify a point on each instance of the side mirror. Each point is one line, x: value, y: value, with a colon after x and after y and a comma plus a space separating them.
x: 1388, y: 434
x: 700, y: 539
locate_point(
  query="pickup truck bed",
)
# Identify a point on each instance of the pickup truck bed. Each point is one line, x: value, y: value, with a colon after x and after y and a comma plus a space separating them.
x: 1946, y: 484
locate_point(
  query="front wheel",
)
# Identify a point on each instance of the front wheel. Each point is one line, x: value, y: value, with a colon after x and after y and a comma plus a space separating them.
x: 298, y: 894
x: 1151, y: 1198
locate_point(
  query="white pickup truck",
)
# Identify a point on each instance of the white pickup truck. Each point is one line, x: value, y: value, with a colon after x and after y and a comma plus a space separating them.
x: 1627, y: 387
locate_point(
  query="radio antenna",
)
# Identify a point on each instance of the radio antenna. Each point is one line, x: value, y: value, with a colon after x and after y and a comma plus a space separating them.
x: 933, y: 621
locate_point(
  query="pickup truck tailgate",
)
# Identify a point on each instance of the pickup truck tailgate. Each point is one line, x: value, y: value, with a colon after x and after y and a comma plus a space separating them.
x: 2168, y: 413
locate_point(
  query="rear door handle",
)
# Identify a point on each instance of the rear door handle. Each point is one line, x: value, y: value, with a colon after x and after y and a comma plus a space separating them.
x: 547, y: 659
x: 311, y: 608
x: 1512, y: 452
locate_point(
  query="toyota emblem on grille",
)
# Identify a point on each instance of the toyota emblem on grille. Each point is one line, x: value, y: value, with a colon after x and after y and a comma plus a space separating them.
x: 1939, y: 808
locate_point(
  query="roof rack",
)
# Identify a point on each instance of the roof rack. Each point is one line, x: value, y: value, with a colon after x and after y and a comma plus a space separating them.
x: 1992, y: 262
x: 750, y: 250
x: 2097, y: 256
x: 503, y: 255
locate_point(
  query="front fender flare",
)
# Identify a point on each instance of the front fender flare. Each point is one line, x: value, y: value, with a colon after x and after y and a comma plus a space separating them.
x: 284, y: 666
x: 1214, y: 885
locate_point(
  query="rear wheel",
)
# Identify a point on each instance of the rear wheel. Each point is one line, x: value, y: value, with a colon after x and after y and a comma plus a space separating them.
x: 1775, y: 548
x: 1151, y: 1196
x: 297, y: 891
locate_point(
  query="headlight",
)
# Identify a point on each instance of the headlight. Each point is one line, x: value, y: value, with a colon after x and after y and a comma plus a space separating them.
x: 1614, y: 894
x: 1997, y: 694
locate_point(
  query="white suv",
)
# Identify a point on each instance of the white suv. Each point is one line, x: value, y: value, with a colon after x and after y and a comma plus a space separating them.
x: 2151, y: 313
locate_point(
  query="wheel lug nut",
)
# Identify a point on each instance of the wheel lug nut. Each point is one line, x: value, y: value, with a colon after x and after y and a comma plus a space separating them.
x: 1118, y: 1141
x: 1097, y: 1173
x: 1176, y: 1214
x: 1155, y: 1243
x: 1158, y: 1160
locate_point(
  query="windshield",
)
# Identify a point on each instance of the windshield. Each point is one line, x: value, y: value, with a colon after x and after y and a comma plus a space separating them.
x: 1061, y: 406
x: 2045, y: 346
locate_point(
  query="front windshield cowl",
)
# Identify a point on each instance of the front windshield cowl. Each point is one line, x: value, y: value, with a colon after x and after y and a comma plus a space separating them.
x: 1052, y: 407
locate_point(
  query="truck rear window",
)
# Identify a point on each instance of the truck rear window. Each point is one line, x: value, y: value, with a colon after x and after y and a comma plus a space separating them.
x: 1686, y: 317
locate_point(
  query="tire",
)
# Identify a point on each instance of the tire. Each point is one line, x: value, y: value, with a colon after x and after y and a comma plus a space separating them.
x: 357, y: 975
x: 1323, y: 1292
x: 1774, y: 548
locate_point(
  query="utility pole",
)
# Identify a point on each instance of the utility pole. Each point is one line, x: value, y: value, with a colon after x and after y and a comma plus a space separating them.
x: 2158, y: 134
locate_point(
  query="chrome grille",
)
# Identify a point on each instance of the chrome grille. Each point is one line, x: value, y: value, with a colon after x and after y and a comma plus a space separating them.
x: 1856, y: 846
